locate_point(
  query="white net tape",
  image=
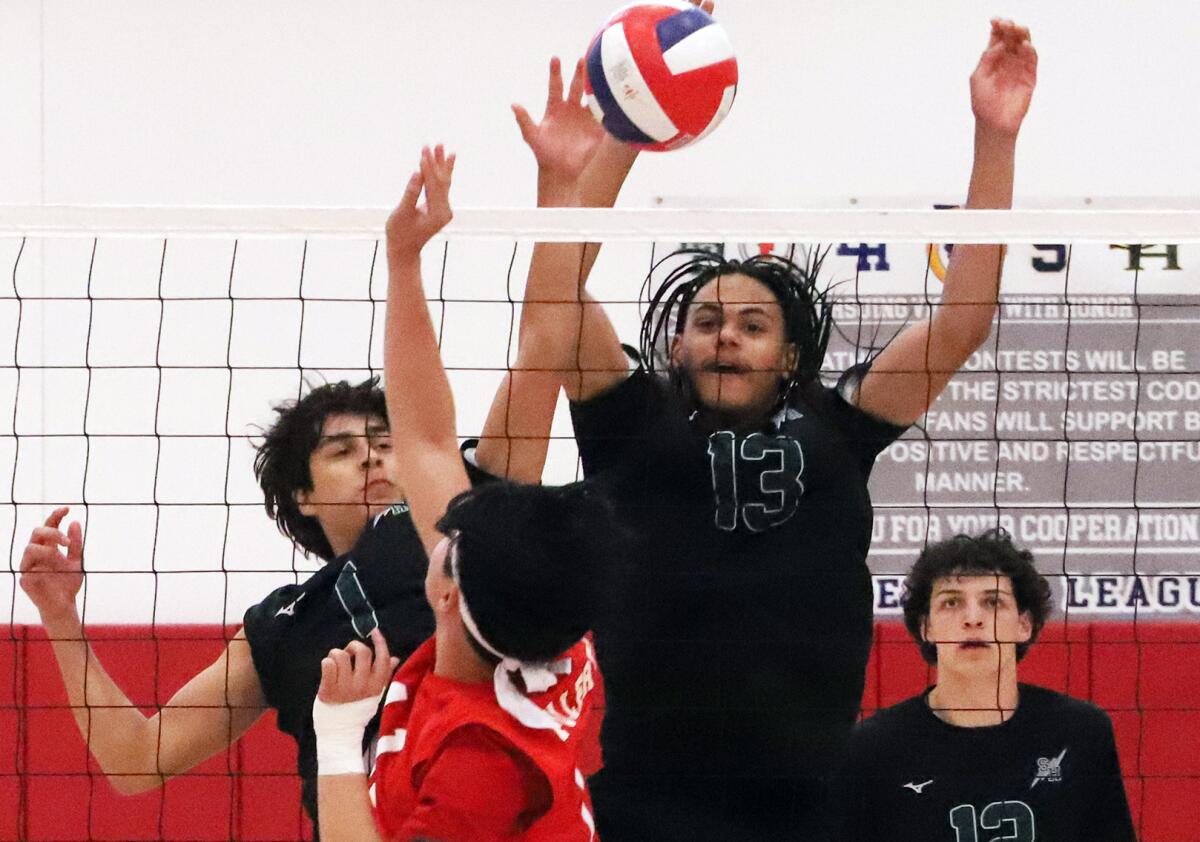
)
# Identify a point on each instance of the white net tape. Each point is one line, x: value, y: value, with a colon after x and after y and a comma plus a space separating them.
x: 602, y: 225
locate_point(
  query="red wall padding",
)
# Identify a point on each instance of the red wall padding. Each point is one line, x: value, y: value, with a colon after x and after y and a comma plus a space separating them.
x: 1147, y: 676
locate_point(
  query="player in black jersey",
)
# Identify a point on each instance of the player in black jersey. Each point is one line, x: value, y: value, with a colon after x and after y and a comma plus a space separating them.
x: 326, y: 468
x: 325, y: 465
x: 979, y: 756
x: 734, y: 659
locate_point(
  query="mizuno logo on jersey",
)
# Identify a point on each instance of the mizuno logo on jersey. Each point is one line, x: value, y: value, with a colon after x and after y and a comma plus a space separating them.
x: 1049, y: 769
x: 918, y: 788
x: 290, y: 608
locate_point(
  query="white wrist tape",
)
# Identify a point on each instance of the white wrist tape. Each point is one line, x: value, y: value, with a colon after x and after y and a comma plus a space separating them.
x: 339, y: 729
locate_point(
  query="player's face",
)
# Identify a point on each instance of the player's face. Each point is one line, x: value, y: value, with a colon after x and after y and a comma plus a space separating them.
x: 975, y: 623
x: 353, y: 472
x: 734, y: 346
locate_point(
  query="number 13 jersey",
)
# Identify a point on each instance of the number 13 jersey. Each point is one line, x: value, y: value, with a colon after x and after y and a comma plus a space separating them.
x: 738, y: 641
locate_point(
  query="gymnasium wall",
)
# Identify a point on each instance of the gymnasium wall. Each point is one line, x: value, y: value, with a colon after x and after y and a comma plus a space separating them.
x: 316, y: 104
x: 1140, y: 674
x: 308, y: 103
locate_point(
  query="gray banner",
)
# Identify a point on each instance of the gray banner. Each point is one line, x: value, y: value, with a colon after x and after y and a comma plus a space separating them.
x: 1076, y: 428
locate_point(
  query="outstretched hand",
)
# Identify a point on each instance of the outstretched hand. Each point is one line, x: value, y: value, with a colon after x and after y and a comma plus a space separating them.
x: 1003, y: 82
x: 568, y: 135
x: 411, y: 225
x: 356, y: 672
x: 52, y: 565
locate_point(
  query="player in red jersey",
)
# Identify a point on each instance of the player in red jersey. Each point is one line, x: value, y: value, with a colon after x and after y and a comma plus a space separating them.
x: 463, y: 760
x: 478, y: 736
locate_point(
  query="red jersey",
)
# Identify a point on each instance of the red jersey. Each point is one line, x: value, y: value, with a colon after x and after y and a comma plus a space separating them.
x: 451, y: 764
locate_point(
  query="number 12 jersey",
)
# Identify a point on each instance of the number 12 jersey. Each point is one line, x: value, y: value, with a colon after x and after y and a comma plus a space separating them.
x: 1048, y: 774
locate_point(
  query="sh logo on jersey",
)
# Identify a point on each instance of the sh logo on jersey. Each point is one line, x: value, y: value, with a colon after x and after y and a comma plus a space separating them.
x: 1049, y: 769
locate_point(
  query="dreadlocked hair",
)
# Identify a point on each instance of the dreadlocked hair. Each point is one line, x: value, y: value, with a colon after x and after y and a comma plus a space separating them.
x: 807, y: 313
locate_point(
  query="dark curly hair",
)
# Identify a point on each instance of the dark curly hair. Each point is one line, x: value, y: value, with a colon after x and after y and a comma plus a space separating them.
x: 992, y: 552
x: 807, y: 313
x: 281, y: 464
x: 531, y: 562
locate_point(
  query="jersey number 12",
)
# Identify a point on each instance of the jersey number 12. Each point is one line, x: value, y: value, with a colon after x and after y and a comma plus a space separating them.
x: 756, y: 481
x: 1013, y: 817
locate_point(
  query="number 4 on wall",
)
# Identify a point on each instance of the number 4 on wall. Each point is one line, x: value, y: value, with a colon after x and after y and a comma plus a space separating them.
x: 1015, y: 818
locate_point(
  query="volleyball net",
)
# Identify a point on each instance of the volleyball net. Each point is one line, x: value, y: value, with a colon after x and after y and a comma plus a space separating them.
x: 143, y: 348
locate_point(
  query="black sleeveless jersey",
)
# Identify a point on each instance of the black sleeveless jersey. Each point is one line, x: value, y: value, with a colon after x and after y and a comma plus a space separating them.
x: 379, y: 583
x: 1049, y: 773
x: 737, y: 647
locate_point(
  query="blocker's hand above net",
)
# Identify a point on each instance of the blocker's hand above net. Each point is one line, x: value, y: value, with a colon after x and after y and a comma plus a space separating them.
x: 411, y: 225
x: 568, y: 135
x: 1003, y: 82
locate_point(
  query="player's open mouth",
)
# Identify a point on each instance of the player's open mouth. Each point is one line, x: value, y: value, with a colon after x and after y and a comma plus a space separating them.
x: 724, y: 368
x: 974, y: 644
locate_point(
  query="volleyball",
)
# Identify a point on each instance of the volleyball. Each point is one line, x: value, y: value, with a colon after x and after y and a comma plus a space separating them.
x: 661, y: 75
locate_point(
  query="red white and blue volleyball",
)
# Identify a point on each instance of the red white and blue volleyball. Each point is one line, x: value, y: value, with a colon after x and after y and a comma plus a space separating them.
x: 661, y: 74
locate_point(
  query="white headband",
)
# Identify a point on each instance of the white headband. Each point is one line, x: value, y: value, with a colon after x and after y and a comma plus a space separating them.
x: 537, y: 676
x: 463, y: 610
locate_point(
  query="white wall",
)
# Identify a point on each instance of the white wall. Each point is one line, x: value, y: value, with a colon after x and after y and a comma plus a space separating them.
x: 322, y: 104
x: 313, y: 103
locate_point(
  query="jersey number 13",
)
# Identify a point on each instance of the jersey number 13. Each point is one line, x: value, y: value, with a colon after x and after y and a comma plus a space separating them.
x: 755, y: 481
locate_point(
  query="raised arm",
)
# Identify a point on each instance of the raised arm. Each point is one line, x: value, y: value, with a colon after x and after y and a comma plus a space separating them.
x: 914, y: 369
x: 420, y: 405
x: 598, y: 362
x: 578, y: 166
x: 135, y: 752
x: 517, y: 431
